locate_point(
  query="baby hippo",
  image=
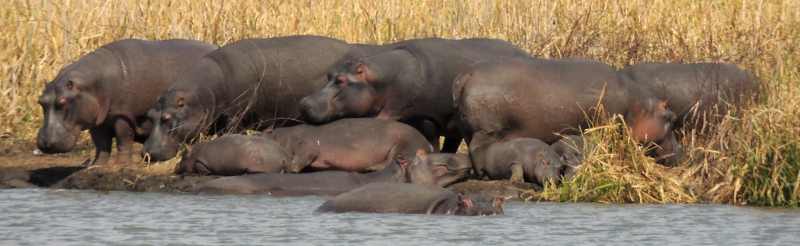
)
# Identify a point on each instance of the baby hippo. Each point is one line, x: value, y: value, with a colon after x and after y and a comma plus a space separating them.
x: 355, y: 144
x: 520, y: 159
x: 236, y: 154
x: 410, y: 199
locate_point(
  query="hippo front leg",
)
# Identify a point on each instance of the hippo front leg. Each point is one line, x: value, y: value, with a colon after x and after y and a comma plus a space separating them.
x: 517, y: 173
x: 125, y: 134
x: 101, y: 137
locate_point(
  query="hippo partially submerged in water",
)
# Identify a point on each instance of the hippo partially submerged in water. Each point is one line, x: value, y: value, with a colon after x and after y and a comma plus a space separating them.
x: 109, y: 92
x: 411, y: 199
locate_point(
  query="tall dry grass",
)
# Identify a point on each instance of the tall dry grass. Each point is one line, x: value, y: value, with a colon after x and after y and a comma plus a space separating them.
x: 752, y: 157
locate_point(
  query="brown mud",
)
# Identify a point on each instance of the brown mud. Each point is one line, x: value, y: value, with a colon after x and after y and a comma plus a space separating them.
x: 20, y: 167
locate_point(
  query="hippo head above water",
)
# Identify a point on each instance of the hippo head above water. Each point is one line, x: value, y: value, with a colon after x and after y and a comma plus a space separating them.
x: 351, y: 91
x: 179, y: 116
x: 71, y: 103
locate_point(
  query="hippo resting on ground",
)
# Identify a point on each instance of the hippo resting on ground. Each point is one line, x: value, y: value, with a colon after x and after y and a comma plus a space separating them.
x: 411, y: 83
x: 251, y: 83
x: 534, y: 98
x: 520, y: 159
x: 694, y: 91
x: 109, y: 91
x: 438, y: 169
x: 354, y: 144
x: 236, y: 154
x: 411, y: 199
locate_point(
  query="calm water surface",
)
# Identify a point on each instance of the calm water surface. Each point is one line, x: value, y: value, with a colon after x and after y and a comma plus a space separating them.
x: 66, y: 217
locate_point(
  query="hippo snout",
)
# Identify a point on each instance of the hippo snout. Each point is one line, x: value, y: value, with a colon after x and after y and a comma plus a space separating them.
x: 159, y: 149
x: 309, y: 111
x: 50, y: 140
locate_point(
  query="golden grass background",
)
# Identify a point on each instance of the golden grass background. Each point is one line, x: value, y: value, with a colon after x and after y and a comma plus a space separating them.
x: 751, y: 158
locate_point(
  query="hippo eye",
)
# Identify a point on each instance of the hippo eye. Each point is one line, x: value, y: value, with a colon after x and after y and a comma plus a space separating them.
x: 70, y: 85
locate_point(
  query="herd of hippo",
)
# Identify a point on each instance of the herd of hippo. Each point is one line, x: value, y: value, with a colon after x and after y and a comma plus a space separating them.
x: 363, y: 122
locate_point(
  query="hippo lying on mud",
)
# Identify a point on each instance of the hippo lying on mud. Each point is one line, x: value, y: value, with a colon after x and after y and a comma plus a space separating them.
x: 236, y: 154
x: 539, y: 99
x: 109, y: 91
x: 419, y: 170
x: 355, y: 144
x: 698, y: 93
x: 411, y: 199
x: 251, y: 83
x: 520, y: 159
x: 411, y: 83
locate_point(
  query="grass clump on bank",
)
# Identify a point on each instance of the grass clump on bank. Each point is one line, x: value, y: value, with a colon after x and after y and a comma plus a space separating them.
x: 752, y: 158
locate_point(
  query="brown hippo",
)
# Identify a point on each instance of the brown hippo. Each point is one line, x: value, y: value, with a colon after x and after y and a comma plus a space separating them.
x: 236, y: 154
x: 109, y: 91
x: 251, y: 83
x: 336, y: 182
x: 694, y: 91
x: 542, y: 99
x: 520, y: 159
x: 411, y: 83
x: 411, y: 199
x: 353, y: 144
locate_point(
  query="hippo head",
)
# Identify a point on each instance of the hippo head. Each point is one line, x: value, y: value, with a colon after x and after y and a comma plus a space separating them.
x: 71, y: 103
x: 650, y: 120
x: 178, y: 117
x: 438, y: 169
x: 350, y: 92
x: 461, y: 204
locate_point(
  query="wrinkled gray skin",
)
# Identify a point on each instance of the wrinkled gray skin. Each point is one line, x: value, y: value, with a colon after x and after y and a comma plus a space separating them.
x: 410, y: 199
x: 236, y: 154
x: 541, y: 99
x: 353, y: 144
x: 109, y: 91
x: 418, y: 170
x: 571, y: 149
x: 439, y: 169
x: 694, y: 91
x: 251, y: 83
x: 411, y: 83
x: 520, y: 159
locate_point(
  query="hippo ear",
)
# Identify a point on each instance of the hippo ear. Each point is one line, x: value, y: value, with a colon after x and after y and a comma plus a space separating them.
x: 422, y: 154
x: 363, y: 73
x: 466, y: 201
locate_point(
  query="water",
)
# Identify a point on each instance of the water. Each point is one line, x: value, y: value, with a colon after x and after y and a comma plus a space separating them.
x: 66, y: 217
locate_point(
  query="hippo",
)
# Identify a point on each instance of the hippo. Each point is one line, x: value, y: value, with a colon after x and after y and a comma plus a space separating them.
x: 336, y: 182
x: 543, y: 99
x: 572, y: 150
x: 236, y: 154
x: 410, y: 199
x: 411, y: 83
x: 248, y: 84
x: 109, y: 91
x: 353, y: 144
x: 694, y: 91
x: 519, y: 159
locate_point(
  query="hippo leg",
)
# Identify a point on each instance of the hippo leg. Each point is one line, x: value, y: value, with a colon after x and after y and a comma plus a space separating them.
x: 101, y: 137
x: 125, y: 134
x: 517, y: 173
x: 451, y: 144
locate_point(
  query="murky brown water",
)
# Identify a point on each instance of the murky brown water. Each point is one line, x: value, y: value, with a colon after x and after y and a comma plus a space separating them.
x: 67, y: 217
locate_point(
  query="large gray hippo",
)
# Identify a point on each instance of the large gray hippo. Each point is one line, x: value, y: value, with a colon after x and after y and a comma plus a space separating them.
x: 109, y: 91
x: 411, y: 199
x: 533, y: 98
x: 698, y: 93
x: 354, y: 144
x: 251, y: 83
x: 435, y: 169
x: 411, y: 83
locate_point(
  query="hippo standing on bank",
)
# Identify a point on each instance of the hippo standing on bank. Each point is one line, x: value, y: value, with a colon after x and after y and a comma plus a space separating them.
x: 411, y: 83
x: 252, y: 83
x: 410, y: 199
x: 436, y: 169
x: 694, y: 91
x: 520, y: 159
x: 109, y: 91
x: 353, y: 144
x: 236, y: 154
x: 539, y: 99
